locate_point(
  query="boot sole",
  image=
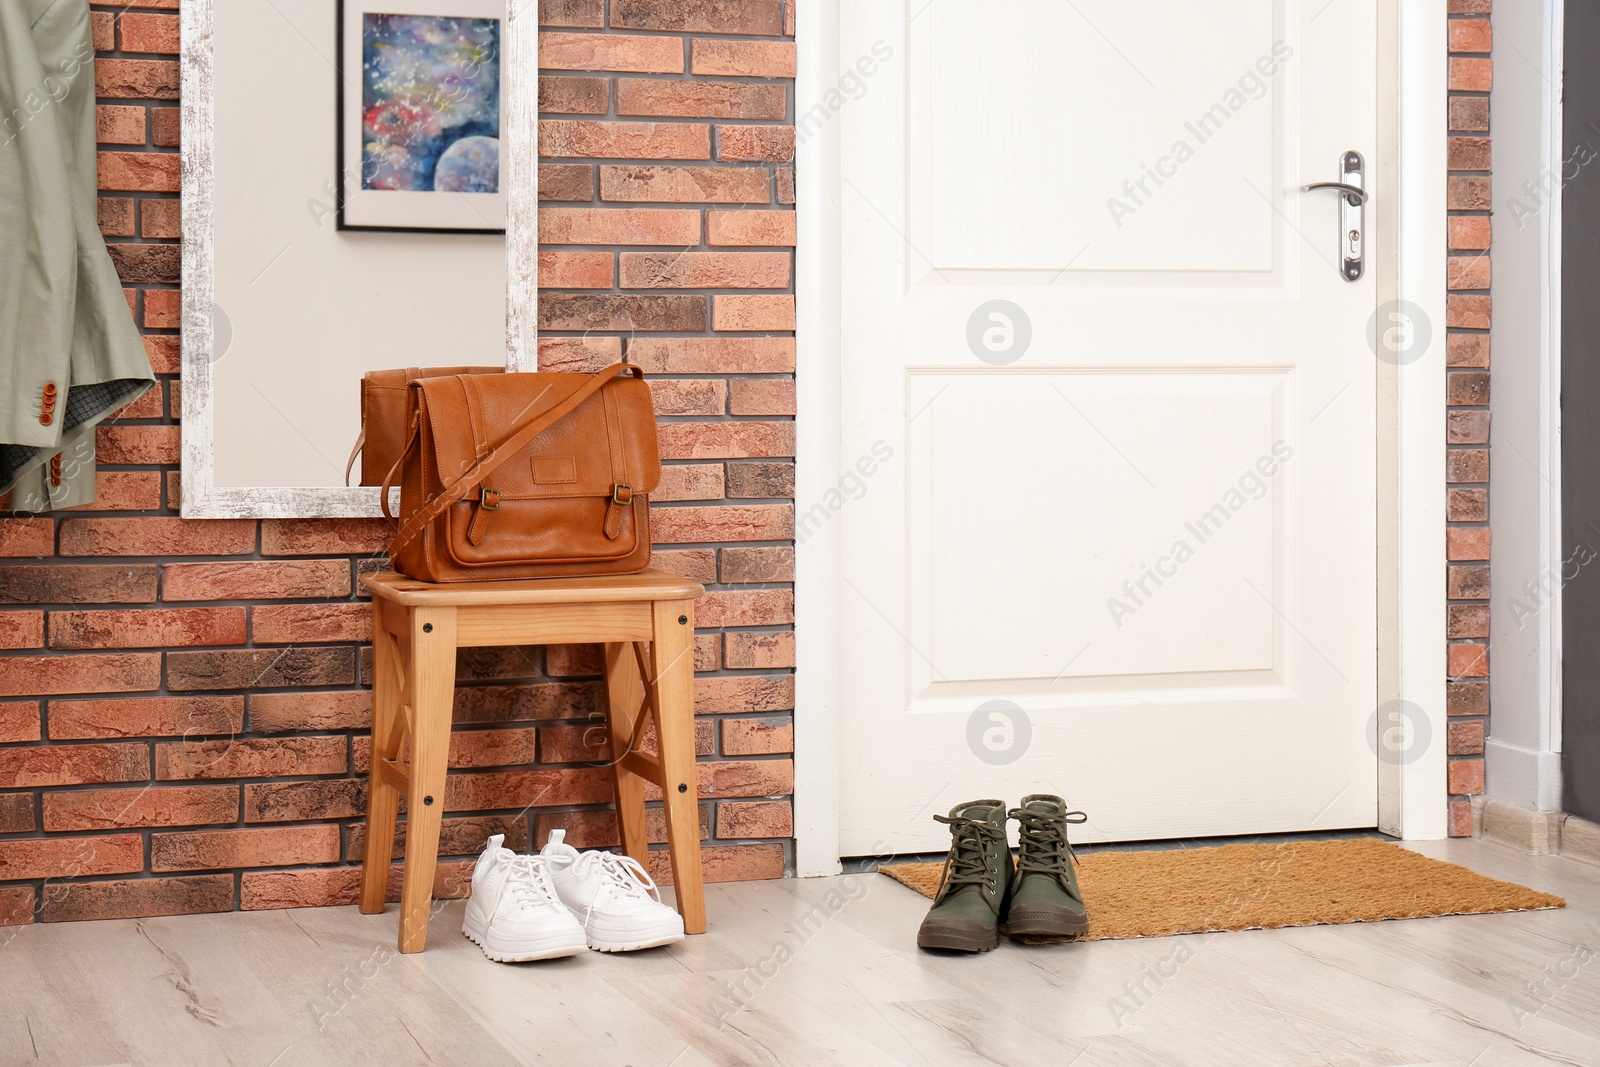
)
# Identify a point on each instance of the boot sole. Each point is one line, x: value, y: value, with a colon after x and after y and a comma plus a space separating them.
x: 957, y: 942
x: 635, y: 943
x: 526, y: 955
x: 548, y: 949
x: 1039, y: 926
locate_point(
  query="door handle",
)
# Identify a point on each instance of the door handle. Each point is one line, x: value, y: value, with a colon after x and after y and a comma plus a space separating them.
x: 1353, y: 193
x: 1352, y: 210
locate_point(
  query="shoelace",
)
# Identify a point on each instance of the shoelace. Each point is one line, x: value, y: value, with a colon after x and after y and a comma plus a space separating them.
x: 617, y: 874
x: 528, y: 882
x: 970, y: 842
x: 1045, y: 848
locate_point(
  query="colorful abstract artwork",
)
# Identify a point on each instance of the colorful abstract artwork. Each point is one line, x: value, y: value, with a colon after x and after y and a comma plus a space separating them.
x: 429, y: 113
x: 430, y: 108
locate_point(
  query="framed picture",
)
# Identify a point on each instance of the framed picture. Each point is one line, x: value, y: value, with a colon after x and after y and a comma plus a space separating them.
x: 420, y: 112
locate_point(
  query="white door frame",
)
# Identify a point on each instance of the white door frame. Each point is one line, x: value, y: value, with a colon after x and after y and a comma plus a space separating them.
x: 1523, y: 755
x: 1409, y: 259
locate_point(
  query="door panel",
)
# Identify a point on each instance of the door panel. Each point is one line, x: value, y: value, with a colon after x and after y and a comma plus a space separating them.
x: 1015, y: 159
x: 1001, y: 460
x: 1119, y: 539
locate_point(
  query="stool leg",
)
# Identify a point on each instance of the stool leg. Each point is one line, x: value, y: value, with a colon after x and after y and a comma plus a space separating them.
x: 383, y: 796
x: 672, y: 664
x: 431, y: 683
x: 624, y: 691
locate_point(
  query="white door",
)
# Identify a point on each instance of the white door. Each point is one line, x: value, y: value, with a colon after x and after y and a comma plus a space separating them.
x: 1109, y: 416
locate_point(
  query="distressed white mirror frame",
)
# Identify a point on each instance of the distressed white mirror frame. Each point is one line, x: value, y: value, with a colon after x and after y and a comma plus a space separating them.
x: 202, y: 497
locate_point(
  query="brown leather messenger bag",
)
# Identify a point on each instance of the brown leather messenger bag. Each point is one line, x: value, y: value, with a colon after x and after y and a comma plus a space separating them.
x: 536, y: 475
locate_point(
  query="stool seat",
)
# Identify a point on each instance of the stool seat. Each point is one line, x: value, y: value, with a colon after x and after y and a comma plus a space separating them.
x: 646, y: 585
x: 646, y: 623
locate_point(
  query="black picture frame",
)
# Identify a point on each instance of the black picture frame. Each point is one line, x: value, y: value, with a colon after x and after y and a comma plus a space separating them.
x: 342, y: 85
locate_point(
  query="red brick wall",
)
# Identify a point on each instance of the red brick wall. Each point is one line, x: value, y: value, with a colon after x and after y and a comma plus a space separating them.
x: 1467, y: 536
x: 183, y: 705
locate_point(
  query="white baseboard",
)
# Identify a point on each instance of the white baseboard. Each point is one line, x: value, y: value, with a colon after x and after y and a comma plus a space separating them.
x: 1522, y: 777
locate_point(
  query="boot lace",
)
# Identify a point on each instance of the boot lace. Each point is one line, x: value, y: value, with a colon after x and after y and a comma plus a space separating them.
x: 528, y: 882
x: 1045, y: 848
x: 617, y: 876
x: 971, y: 840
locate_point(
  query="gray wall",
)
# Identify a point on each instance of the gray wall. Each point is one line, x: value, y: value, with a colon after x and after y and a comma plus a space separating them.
x: 1580, y: 395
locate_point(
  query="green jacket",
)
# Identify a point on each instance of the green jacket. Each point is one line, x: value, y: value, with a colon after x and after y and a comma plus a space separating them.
x: 69, y: 352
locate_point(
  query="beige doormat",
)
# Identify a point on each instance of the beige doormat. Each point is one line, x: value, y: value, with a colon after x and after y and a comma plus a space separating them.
x: 1249, y: 887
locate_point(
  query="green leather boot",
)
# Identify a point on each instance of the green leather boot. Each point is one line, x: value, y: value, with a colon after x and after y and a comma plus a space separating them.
x: 1045, y: 899
x: 966, y: 913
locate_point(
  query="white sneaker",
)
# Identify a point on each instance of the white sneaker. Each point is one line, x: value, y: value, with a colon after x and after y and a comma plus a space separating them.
x: 614, y: 897
x: 514, y: 913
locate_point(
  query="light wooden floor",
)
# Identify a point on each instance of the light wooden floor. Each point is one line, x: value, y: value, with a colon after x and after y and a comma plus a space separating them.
x: 819, y: 972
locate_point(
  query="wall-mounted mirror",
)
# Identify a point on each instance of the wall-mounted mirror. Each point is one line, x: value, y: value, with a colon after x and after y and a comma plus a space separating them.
x: 360, y: 192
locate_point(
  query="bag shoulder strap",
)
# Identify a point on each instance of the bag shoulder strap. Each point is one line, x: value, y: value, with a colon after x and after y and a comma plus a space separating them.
x: 350, y: 464
x: 519, y: 435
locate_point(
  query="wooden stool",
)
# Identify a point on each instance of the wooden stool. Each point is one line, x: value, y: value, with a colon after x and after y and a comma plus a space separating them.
x: 416, y: 629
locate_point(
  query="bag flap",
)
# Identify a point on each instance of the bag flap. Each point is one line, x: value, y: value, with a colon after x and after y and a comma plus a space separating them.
x: 609, y: 438
x: 396, y: 378
x: 383, y: 415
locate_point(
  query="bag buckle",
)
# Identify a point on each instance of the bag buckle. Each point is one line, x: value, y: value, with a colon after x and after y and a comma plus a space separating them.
x: 489, y: 499
x: 621, y: 494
